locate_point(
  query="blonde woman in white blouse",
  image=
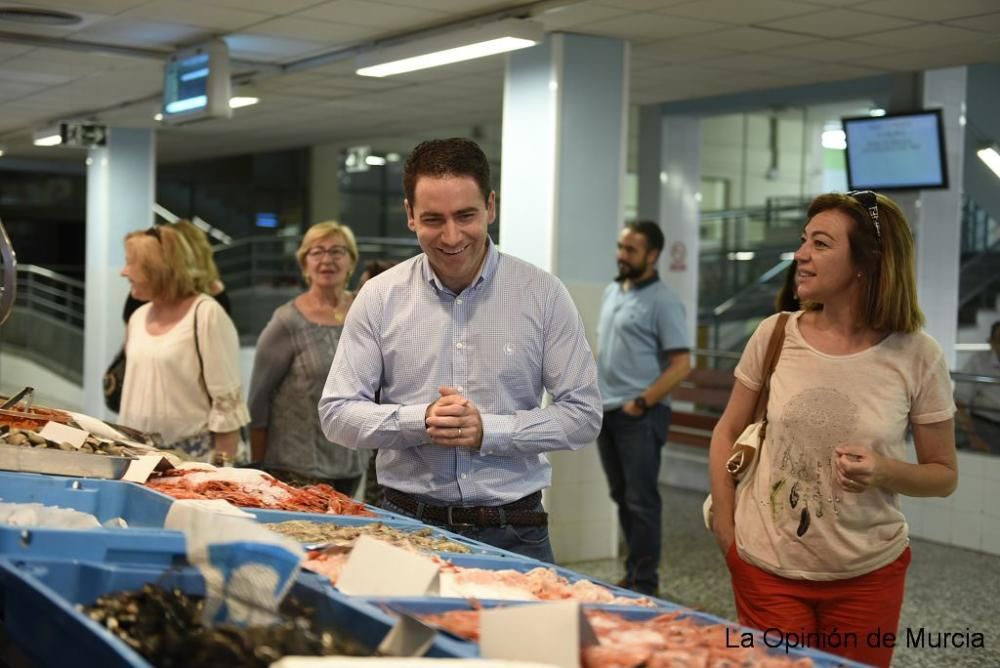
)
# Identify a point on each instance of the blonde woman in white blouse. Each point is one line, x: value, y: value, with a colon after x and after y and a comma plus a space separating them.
x: 181, y: 381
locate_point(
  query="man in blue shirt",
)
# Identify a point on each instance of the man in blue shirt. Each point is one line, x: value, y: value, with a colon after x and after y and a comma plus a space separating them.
x: 462, y: 341
x: 642, y: 355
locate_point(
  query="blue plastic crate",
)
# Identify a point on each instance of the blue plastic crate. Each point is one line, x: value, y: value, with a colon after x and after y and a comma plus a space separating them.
x: 465, y: 648
x: 139, y: 506
x: 40, y: 618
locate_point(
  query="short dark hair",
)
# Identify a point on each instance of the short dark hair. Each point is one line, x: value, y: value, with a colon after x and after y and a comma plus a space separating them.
x: 438, y: 158
x: 993, y: 330
x: 650, y: 231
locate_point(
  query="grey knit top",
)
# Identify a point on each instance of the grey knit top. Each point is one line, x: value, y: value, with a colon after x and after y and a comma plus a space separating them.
x: 290, y: 367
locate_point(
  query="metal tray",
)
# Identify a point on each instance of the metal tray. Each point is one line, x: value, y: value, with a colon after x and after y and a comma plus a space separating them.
x: 59, y: 462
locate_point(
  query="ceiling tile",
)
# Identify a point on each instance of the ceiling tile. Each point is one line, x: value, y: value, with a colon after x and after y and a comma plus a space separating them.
x: 838, y: 23
x: 832, y: 51
x: 12, y: 89
x: 313, y: 30
x: 672, y: 51
x: 828, y: 72
x: 987, y: 23
x: 929, y: 10
x: 197, y: 14
x: 739, y: 11
x: 372, y: 14
x: 148, y: 34
x: 640, y: 5
x: 652, y: 26
x: 570, y: 16
x: 264, y: 6
x: 925, y: 37
x: 759, y: 62
x: 905, y: 61
x: 98, y: 6
x: 459, y: 6
x: 262, y: 47
x: 749, y: 39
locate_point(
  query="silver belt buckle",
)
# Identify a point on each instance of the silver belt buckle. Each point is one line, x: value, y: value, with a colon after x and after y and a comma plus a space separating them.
x: 451, y: 519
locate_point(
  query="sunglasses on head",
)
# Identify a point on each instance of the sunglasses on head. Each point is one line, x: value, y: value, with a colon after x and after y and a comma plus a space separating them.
x: 869, y: 201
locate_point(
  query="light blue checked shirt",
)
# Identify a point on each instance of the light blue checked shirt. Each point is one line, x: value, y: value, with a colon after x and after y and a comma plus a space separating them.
x: 511, y: 334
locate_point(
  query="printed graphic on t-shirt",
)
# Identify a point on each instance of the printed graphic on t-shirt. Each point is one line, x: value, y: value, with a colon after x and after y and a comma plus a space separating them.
x: 803, y: 488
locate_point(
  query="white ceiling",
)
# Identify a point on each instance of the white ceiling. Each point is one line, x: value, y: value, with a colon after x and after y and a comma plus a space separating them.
x: 681, y: 49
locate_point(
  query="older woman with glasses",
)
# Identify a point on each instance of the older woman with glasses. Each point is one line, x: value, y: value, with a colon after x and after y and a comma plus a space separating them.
x: 814, y: 537
x: 294, y: 353
x: 182, y: 376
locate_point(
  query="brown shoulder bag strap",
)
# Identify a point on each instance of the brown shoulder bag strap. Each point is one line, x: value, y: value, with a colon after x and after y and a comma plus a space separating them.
x: 770, y: 362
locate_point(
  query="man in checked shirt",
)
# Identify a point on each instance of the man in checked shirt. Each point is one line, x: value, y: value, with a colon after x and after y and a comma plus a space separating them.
x: 462, y: 340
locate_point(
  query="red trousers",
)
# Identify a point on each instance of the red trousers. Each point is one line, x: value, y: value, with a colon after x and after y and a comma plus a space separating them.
x: 853, y: 618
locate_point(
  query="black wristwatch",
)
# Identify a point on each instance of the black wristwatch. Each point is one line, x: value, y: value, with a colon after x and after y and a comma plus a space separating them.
x: 640, y: 401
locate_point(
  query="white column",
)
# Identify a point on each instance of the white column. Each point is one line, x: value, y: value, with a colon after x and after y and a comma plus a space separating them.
x: 680, y: 183
x: 563, y: 168
x: 938, y: 221
x: 120, y: 196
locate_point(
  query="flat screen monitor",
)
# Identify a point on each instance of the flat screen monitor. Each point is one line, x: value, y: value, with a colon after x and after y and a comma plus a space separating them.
x: 896, y: 151
x: 196, y: 83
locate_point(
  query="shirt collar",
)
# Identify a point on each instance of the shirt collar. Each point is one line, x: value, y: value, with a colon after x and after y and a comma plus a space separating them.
x: 638, y: 285
x: 486, y: 270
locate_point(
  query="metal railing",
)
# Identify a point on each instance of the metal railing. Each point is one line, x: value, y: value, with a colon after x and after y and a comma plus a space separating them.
x: 51, y: 294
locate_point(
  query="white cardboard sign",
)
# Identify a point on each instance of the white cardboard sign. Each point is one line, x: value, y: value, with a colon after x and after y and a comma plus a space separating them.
x: 551, y: 633
x: 58, y: 432
x: 376, y: 568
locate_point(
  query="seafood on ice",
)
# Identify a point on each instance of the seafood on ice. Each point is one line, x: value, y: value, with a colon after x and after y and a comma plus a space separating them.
x: 420, y: 539
x: 251, y: 488
x: 670, y: 640
x: 538, y: 584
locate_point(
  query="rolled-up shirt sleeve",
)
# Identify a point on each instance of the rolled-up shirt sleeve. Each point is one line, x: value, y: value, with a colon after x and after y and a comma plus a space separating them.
x: 347, y: 410
x: 569, y: 374
x: 219, y: 347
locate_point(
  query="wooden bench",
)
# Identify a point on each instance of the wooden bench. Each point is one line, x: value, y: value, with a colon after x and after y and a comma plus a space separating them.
x: 708, y: 390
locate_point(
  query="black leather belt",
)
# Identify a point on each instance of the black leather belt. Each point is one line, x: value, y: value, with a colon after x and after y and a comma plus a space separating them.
x: 517, y: 513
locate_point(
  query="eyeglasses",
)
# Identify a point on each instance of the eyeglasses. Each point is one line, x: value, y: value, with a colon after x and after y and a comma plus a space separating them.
x: 869, y: 200
x: 336, y: 252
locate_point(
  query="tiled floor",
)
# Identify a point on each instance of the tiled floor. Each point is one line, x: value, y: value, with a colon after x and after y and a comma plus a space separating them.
x: 948, y: 589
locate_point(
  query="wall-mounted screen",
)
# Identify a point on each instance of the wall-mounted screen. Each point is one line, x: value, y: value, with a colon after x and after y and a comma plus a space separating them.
x: 196, y: 83
x: 896, y: 151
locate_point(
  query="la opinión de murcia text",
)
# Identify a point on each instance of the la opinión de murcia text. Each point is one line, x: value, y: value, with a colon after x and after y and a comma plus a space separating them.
x: 920, y: 638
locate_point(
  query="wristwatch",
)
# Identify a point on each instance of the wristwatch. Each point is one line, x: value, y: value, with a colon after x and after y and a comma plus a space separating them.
x: 640, y: 402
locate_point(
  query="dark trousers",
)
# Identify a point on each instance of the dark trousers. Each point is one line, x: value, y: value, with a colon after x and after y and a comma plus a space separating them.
x: 531, y: 542
x: 630, y: 453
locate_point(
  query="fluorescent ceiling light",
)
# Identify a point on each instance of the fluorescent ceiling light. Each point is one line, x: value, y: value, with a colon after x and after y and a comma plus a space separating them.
x: 48, y: 137
x: 876, y: 111
x: 741, y: 256
x: 242, y: 101
x: 835, y: 139
x: 375, y: 160
x: 476, y: 41
x: 991, y: 157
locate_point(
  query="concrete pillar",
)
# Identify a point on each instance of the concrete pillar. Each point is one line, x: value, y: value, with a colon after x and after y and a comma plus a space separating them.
x: 680, y: 182
x: 120, y: 195
x: 563, y: 168
x: 938, y: 221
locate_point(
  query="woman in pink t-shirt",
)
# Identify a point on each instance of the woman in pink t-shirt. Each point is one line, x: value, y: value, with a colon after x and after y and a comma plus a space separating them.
x: 815, y: 540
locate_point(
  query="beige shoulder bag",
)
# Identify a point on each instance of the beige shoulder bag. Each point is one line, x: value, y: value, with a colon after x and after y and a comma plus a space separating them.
x: 742, y: 463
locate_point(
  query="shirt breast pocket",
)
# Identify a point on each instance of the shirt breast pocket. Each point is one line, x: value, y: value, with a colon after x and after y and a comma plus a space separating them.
x: 518, y: 369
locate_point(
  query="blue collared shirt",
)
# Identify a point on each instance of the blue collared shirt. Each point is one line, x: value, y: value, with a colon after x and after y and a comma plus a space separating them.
x: 512, y: 333
x: 635, y: 329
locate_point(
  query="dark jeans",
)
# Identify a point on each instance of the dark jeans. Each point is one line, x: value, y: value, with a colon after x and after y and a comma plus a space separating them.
x: 630, y: 453
x: 531, y: 542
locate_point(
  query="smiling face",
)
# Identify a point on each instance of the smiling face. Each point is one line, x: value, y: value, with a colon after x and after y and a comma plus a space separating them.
x: 328, y: 262
x: 450, y: 218
x: 826, y: 269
